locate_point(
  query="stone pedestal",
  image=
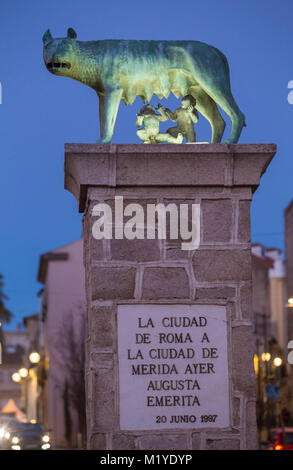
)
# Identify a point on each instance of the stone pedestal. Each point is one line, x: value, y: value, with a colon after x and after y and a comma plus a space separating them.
x: 130, y: 281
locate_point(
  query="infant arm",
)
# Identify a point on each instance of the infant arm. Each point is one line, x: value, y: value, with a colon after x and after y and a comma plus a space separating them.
x: 163, y: 116
x: 139, y: 120
x: 172, y: 116
x: 194, y: 115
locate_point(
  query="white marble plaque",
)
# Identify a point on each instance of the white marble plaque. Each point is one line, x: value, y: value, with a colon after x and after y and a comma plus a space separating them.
x: 173, y: 367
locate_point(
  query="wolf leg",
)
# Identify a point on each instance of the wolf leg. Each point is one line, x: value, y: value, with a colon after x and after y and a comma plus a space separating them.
x: 208, y: 108
x: 230, y: 107
x: 102, y: 114
x: 217, y: 86
x: 221, y: 94
x: 109, y: 114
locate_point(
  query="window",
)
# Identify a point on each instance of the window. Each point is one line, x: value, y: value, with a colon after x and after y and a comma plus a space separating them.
x: 289, y: 437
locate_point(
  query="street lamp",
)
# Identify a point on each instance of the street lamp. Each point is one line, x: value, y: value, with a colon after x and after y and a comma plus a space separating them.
x: 277, y: 361
x: 34, y: 357
x: 23, y: 372
x: 16, y: 377
x: 266, y: 357
x: 290, y: 302
x: 256, y: 364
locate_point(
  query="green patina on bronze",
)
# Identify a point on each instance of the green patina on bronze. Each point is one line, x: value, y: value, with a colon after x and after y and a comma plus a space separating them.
x: 121, y: 70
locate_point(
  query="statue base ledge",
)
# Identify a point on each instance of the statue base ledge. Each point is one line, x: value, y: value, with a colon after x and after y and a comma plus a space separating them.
x: 152, y: 165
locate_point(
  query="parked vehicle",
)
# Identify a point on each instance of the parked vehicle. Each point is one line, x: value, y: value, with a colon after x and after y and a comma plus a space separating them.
x: 29, y: 436
x: 278, y: 441
x: 17, y: 435
x: 7, y: 425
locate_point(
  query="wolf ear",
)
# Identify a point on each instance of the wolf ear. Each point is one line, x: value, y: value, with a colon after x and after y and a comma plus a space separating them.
x: 71, y: 33
x: 47, y: 37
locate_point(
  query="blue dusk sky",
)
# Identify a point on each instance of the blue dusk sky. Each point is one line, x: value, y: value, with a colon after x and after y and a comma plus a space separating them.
x: 40, y: 112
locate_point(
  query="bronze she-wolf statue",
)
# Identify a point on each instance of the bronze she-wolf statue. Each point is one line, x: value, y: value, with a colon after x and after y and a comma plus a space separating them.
x: 122, y: 69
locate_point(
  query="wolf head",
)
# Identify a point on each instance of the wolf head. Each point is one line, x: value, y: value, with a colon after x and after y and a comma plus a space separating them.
x: 60, y: 53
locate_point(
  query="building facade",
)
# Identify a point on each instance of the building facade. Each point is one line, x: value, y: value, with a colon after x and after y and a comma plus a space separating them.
x: 62, y: 316
x: 288, y: 216
x: 269, y: 295
x: 14, y: 348
x: 271, y: 337
x: 32, y: 383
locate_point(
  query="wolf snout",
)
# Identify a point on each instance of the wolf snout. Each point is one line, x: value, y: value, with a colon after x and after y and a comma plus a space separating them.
x: 57, y: 63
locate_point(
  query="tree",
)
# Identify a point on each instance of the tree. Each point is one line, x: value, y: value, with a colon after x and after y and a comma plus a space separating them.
x: 5, y: 314
x: 67, y: 416
x: 71, y: 347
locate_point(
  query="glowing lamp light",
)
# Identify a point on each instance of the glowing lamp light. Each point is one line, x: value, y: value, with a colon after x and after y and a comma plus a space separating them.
x: 266, y: 357
x: 278, y: 361
x: 46, y: 438
x: 23, y: 372
x: 16, y: 377
x: 34, y: 357
x: 255, y: 363
x: 278, y: 447
x: 290, y: 301
x: 33, y: 421
x: 46, y: 446
x: 4, y: 434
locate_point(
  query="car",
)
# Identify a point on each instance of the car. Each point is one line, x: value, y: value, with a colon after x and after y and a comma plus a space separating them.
x: 6, y: 426
x: 278, y: 441
x: 28, y: 436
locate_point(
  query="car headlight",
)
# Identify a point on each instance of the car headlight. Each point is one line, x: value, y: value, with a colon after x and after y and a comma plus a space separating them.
x: 46, y: 446
x: 46, y: 438
x: 15, y: 440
